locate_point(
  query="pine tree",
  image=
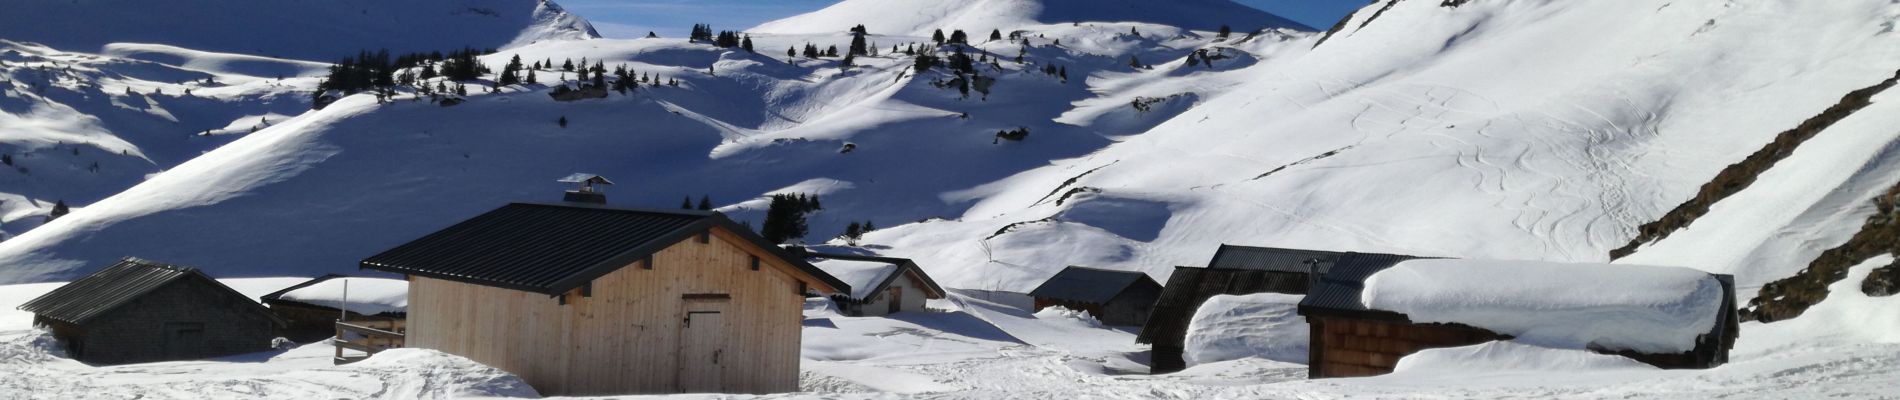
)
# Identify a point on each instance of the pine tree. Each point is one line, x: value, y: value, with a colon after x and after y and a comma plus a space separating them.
x: 747, y: 44
x: 705, y: 203
x: 857, y: 45
x: 959, y: 37
x: 791, y: 52
x: 1134, y: 62
x: 937, y: 37
x: 568, y: 65
x: 510, y: 74
x: 563, y: 121
x: 59, y: 210
x: 831, y: 51
x: 784, y: 219
x: 996, y: 34
x: 1224, y: 31
x: 868, y: 227
x: 849, y: 61
x: 686, y: 204
x: 852, y: 232
x: 530, y: 80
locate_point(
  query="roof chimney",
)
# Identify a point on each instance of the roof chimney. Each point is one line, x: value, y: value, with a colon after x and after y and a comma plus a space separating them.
x: 587, y: 192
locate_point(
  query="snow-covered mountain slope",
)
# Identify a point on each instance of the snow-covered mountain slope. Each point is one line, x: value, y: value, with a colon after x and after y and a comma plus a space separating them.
x: 921, y: 17
x: 297, y: 29
x: 755, y: 124
x: 1508, y: 129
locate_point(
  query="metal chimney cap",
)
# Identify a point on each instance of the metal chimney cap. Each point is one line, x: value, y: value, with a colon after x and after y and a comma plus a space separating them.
x: 586, y: 178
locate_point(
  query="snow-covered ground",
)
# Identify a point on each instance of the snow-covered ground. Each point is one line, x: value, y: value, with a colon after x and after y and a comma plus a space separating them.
x: 985, y: 345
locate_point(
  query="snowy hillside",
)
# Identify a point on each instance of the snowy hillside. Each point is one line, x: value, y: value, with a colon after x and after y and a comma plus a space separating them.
x: 921, y: 17
x: 304, y: 30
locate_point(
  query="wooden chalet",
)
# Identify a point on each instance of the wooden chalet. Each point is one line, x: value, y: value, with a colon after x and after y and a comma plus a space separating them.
x: 579, y: 298
x: 879, y: 285
x: 1349, y: 339
x: 1234, y: 270
x: 137, y: 311
x: 1114, y: 297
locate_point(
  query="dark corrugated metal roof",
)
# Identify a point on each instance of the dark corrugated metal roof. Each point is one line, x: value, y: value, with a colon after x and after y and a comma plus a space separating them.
x: 1339, y: 288
x: 1271, y: 259
x: 1189, y: 287
x: 1088, y: 285
x: 903, y: 265
x: 552, y: 248
x: 117, y: 285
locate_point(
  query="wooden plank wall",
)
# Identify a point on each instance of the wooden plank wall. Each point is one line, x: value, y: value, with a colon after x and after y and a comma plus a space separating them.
x: 624, y: 339
x: 1357, y: 347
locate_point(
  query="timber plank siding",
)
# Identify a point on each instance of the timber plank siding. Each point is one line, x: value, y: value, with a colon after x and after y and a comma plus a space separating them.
x: 624, y: 332
x: 138, y: 311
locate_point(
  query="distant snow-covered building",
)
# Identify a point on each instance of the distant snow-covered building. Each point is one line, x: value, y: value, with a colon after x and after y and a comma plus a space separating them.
x: 1113, y: 297
x: 313, y: 307
x: 1365, y: 316
x: 1234, y: 270
x: 879, y: 285
x: 145, y: 311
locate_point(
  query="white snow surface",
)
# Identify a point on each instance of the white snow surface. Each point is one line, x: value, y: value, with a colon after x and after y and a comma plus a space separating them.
x: 977, y: 18
x: 1230, y: 327
x: 367, y: 296
x: 1565, y: 305
x: 863, y: 276
x: 1509, y: 356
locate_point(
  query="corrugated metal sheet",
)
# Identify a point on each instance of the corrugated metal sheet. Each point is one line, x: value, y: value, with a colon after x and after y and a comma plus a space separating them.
x: 1189, y: 287
x: 1087, y: 285
x: 116, y: 285
x: 550, y: 248
x: 1271, y: 259
x: 1339, y: 288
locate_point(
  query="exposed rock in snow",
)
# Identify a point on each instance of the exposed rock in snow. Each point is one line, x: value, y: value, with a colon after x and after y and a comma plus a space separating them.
x: 1575, y: 306
x: 1265, y: 325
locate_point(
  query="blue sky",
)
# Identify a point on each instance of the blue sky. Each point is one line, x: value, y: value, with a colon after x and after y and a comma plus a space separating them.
x: 630, y: 18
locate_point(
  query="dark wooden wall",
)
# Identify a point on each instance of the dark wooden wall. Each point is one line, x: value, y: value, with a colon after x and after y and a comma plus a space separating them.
x: 1132, y: 306
x: 1343, y: 347
x: 148, y: 330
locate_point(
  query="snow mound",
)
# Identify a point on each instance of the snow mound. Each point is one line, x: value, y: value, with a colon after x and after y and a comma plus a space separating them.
x: 863, y: 276
x: 1617, y: 307
x: 35, y: 347
x: 434, y: 374
x: 1511, y: 356
x: 921, y: 17
x: 1066, y: 316
x: 367, y: 296
x: 308, y: 30
x: 1228, y: 327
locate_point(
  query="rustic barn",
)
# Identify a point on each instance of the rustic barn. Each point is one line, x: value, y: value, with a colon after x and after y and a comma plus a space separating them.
x: 312, y: 307
x: 586, y: 299
x: 1234, y: 270
x: 1114, y: 297
x: 144, y: 311
x: 1350, y: 339
x: 879, y: 285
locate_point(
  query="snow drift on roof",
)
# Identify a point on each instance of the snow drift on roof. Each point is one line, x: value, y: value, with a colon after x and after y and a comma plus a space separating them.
x: 367, y: 296
x: 1265, y: 325
x: 921, y: 17
x: 863, y: 276
x: 1615, y: 307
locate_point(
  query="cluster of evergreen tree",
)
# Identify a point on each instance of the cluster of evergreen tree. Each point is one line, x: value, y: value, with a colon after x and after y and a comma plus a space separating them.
x: 785, y: 217
x: 925, y: 62
x: 962, y: 63
x: 705, y: 203
x: 956, y: 36
x: 812, y: 51
x: 1057, y: 71
x: 700, y: 33
x: 856, y: 230
x: 59, y: 210
x: 366, y: 71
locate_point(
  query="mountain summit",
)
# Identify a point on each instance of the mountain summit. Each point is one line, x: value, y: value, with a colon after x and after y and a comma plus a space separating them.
x: 921, y: 17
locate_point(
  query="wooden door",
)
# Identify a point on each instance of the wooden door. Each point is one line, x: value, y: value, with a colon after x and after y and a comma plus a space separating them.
x: 897, y: 299
x: 702, y: 349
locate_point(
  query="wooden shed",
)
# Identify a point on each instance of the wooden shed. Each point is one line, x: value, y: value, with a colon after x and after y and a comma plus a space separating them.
x: 138, y: 311
x: 1234, y: 270
x: 879, y: 285
x: 1114, y: 297
x: 585, y: 299
x: 311, y: 319
x: 1350, y: 339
